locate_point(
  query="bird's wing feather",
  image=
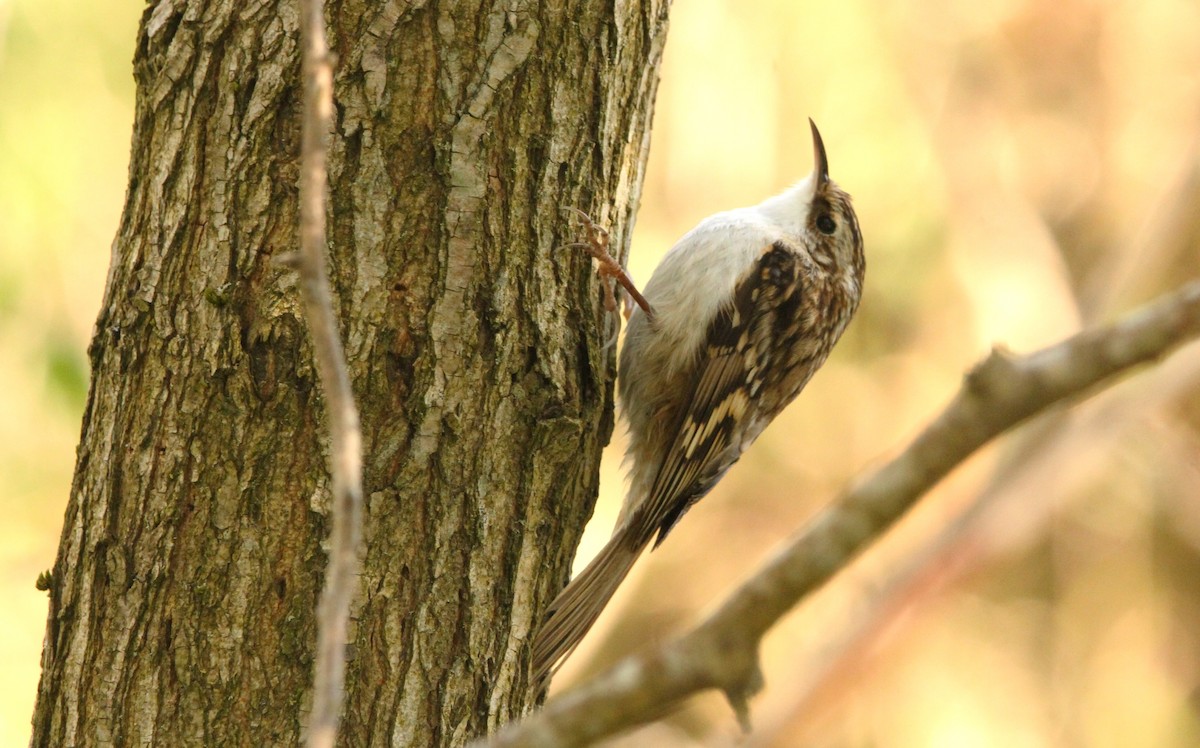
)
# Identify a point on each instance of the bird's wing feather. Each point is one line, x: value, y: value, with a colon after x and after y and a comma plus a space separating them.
x: 732, y: 363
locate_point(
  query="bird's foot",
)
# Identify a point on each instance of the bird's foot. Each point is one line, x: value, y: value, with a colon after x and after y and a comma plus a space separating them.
x: 607, y: 267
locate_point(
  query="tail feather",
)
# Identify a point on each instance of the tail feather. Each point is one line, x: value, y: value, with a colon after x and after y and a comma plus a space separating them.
x: 579, y: 604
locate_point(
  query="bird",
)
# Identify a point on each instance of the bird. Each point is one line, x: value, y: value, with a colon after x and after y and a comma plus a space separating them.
x: 735, y: 320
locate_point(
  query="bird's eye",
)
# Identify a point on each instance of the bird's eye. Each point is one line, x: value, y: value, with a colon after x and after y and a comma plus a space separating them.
x: 826, y: 224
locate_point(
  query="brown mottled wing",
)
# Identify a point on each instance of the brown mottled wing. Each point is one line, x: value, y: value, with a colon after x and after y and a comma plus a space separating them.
x: 740, y: 341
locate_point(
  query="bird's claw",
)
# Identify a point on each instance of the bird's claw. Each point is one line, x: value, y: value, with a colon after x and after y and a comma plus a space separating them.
x: 607, y: 266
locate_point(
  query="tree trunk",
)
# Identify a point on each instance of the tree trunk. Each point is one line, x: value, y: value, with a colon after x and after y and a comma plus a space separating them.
x: 182, y: 603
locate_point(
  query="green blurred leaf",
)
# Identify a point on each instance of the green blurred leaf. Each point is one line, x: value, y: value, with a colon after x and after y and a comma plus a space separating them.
x: 66, y: 370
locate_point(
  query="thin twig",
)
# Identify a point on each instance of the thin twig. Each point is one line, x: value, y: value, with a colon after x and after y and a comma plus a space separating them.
x: 962, y: 543
x: 722, y: 652
x: 345, y: 455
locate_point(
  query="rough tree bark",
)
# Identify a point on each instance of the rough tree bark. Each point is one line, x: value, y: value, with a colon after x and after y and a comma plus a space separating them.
x: 182, y: 601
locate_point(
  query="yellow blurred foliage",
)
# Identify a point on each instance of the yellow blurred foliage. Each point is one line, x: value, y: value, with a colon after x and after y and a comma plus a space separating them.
x: 66, y: 109
x: 1021, y: 169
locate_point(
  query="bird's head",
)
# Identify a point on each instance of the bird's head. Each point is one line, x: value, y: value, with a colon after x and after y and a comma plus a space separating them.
x: 831, y: 227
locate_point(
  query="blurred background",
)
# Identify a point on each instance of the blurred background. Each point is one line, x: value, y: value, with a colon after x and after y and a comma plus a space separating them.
x: 1021, y: 169
x: 66, y: 113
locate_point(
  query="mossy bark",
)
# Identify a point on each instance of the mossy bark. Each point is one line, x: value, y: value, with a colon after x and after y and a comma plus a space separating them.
x: 182, y: 603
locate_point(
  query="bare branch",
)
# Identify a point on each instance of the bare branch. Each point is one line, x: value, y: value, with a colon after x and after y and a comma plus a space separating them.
x: 345, y: 456
x: 722, y: 652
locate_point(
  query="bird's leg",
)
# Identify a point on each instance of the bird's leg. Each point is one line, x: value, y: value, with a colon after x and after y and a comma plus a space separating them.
x: 596, y: 245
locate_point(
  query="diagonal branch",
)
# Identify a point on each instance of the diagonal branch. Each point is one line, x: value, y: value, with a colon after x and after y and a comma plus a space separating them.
x: 345, y: 457
x: 722, y: 652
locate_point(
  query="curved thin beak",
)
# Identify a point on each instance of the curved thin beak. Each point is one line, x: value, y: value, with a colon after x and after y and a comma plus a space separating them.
x: 820, y: 162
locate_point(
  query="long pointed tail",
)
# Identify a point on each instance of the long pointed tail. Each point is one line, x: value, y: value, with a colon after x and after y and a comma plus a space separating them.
x: 579, y: 604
